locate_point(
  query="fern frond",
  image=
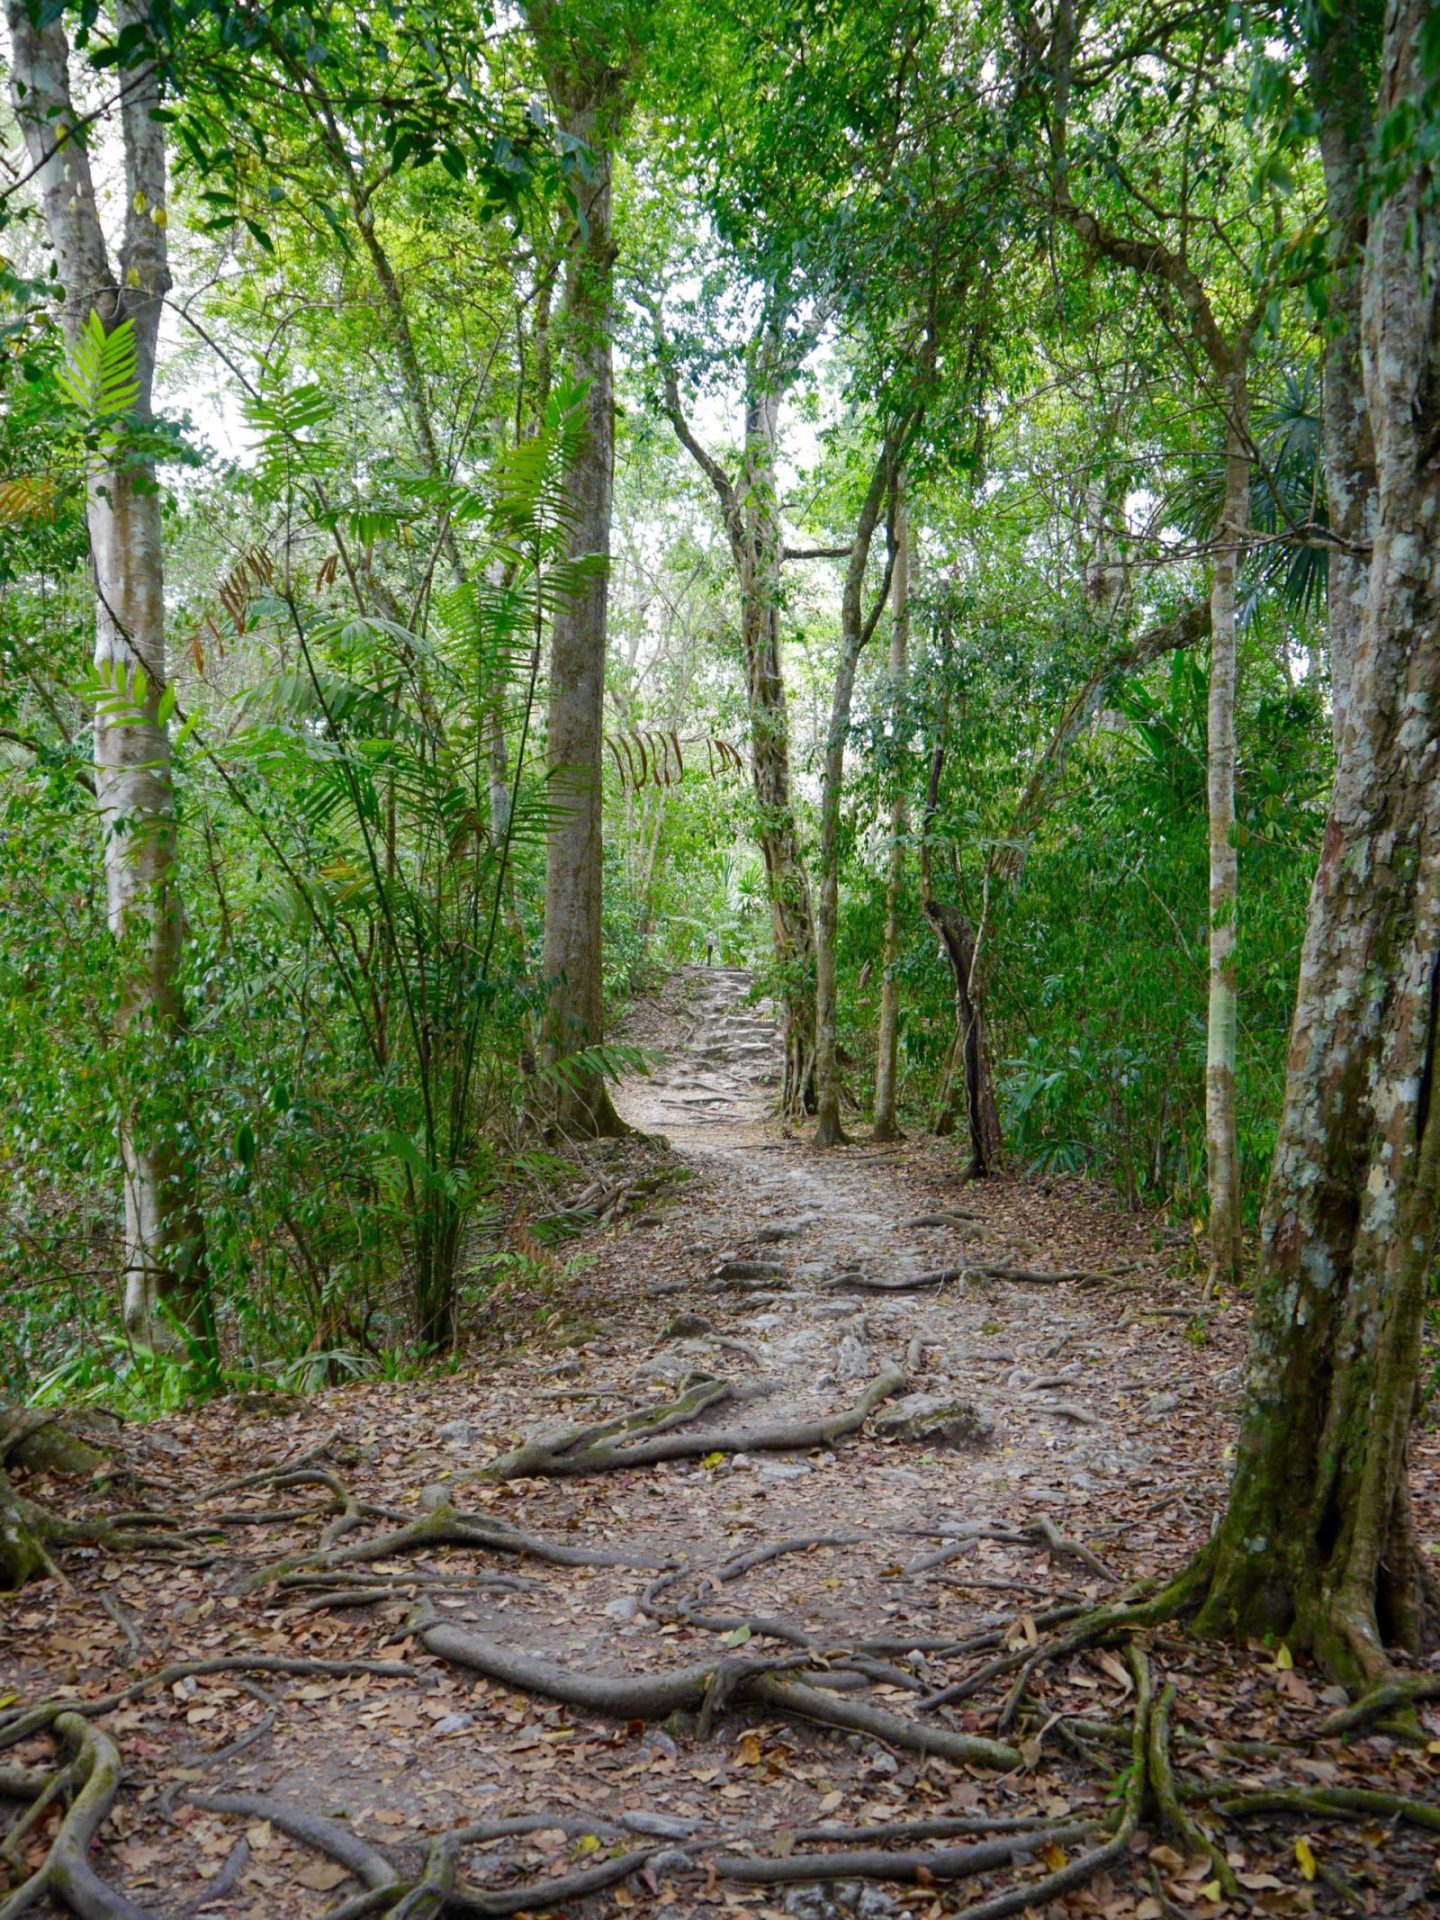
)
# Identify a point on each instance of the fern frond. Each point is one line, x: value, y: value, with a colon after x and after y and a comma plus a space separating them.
x: 102, y: 374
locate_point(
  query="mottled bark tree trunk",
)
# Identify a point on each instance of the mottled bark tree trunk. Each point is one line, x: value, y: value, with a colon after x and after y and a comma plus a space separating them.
x: 164, y: 1237
x: 572, y: 955
x: 1340, y: 66
x: 1222, y: 1148
x: 887, y: 1047
x: 788, y: 888
x: 1318, y: 1540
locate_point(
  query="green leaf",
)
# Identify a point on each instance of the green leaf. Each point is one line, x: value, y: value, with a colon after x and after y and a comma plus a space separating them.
x: 102, y: 376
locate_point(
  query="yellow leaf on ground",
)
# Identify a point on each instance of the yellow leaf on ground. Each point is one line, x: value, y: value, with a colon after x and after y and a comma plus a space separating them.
x: 1305, y: 1855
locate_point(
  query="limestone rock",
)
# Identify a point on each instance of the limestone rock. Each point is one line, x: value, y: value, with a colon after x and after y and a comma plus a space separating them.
x: 932, y: 1420
x: 688, y: 1326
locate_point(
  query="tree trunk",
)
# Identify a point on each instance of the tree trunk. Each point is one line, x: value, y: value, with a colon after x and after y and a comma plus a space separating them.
x: 1339, y: 69
x: 37, y: 1443
x: 165, y: 1264
x: 887, y: 1049
x: 1318, y: 1541
x: 786, y: 883
x: 572, y: 954
x: 751, y: 513
x: 970, y: 1059
x: 1222, y: 1152
x: 855, y: 633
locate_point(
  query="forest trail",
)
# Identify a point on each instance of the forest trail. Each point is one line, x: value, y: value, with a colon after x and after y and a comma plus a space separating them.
x: 588, y: 1691
x: 796, y: 1238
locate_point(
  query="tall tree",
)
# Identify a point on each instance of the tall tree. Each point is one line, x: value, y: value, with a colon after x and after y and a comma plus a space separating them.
x: 112, y: 319
x: 1318, y: 1540
x: 857, y: 626
x: 750, y: 508
x: 588, y: 63
x: 1163, y: 241
x: 887, y: 1039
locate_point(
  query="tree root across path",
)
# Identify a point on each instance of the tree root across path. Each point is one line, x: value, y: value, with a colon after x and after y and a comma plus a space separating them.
x: 975, y: 1270
x: 706, y: 1685
x: 645, y: 1438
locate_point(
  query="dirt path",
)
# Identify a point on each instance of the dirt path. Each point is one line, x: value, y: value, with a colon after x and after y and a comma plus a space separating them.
x: 1039, y: 1359
x: 1078, y: 1442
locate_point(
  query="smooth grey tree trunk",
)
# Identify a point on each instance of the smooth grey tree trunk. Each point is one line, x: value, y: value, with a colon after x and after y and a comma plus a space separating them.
x: 750, y: 508
x: 856, y: 630
x: 1222, y: 1027
x: 887, y: 1049
x: 164, y: 1240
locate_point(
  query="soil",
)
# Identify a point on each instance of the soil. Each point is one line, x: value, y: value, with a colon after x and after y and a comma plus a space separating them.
x: 1097, y: 1411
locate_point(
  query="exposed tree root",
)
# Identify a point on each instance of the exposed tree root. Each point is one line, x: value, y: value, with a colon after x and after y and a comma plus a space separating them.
x: 265, y: 1476
x: 42, y: 1794
x: 1041, y: 1533
x: 975, y: 1270
x: 777, y: 1549
x: 807, y: 1679
x: 923, y: 1865
x: 337, y: 1840
x: 66, y: 1874
x: 443, y: 1526
x: 1075, y: 1873
x: 647, y: 1437
x: 31, y: 1535
x: 653, y: 1696
x: 1399, y: 1692
x: 224, y: 1883
x: 948, y: 1827
x: 438, y: 1890
x: 1173, y: 1817
x: 1097, y: 1625
x: 1346, y: 1802
x: 37, y: 1440
x: 542, y: 1896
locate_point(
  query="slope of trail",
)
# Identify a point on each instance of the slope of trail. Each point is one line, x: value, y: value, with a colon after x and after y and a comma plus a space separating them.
x: 1035, y: 1356
x: 632, y: 1690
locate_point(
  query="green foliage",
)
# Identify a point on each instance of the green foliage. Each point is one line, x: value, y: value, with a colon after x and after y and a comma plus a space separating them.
x: 102, y: 379
x: 379, y: 207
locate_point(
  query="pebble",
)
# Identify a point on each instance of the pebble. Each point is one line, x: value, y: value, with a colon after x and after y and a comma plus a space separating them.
x: 458, y: 1432
x: 783, y: 1469
x: 454, y: 1723
x: 625, y: 1608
